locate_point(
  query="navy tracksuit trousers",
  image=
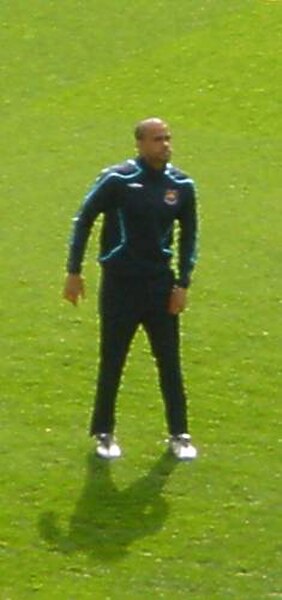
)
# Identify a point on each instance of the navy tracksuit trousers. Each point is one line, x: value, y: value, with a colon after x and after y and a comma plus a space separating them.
x: 125, y: 303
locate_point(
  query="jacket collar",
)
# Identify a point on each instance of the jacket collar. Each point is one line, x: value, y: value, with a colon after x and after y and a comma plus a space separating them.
x: 148, y: 169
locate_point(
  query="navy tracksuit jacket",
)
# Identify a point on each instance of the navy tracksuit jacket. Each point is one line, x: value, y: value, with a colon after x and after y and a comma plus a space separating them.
x: 141, y: 206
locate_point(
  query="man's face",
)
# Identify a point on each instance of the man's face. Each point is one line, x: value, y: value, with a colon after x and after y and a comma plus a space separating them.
x: 155, y: 144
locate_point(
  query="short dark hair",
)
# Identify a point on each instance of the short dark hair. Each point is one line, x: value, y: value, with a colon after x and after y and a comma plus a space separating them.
x: 141, y: 126
x: 139, y: 130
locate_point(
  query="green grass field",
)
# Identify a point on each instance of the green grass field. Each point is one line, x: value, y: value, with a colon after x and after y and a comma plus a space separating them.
x: 75, y: 78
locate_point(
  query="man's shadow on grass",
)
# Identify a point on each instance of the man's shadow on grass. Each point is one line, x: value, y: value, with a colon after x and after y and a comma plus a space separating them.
x: 106, y: 520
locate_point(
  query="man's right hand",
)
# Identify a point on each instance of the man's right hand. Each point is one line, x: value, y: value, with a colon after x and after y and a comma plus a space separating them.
x: 74, y: 288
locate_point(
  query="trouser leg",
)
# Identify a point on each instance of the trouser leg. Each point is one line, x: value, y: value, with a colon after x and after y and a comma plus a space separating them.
x: 115, y: 342
x: 163, y: 333
x: 116, y: 332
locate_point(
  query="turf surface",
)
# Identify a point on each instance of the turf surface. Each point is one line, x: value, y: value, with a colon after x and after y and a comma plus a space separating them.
x: 75, y: 78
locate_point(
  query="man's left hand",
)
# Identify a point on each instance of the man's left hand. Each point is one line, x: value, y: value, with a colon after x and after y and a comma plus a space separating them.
x: 177, y: 300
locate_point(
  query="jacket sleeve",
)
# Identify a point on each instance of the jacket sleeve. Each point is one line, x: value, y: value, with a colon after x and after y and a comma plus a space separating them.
x: 101, y: 198
x: 187, y: 251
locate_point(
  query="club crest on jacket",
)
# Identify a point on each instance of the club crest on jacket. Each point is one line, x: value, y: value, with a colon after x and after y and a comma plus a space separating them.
x: 171, y: 197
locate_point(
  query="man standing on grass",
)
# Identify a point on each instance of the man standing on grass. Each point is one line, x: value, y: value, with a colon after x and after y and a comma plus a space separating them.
x: 141, y: 199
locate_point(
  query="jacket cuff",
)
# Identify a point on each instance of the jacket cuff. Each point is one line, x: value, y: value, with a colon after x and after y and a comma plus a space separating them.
x: 184, y: 282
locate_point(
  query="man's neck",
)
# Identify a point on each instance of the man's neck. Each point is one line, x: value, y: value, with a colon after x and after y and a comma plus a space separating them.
x: 155, y: 165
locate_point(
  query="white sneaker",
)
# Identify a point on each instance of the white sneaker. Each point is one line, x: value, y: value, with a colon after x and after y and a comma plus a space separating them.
x: 181, y: 447
x: 106, y: 446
